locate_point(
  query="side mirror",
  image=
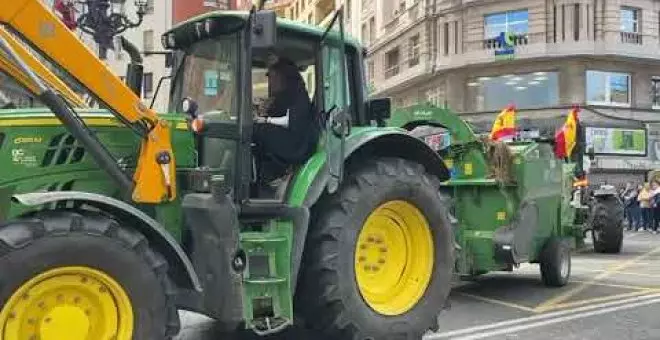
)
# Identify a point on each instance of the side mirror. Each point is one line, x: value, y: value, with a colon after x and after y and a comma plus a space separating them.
x: 189, y: 107
x: 169, y: 59
x: 264, y: 30
x: 379, y: 110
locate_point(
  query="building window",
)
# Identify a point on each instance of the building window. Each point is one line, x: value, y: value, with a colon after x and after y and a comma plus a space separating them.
x: 413, y: 50
x: 446, y: 38
x: 511, y: 21
x: 211, y: 3
x: 371, y: 69
x: 433, y: 97
x: 531, y: 90
x: 608, y: 88
x: 365, y: 37
x: 148, y: 85
x: 150, y: 6
x: 372, y: 29
x: 576, y: 22
x: 392, y: 63
x: 630, y: 20
x: 148, y: 40
x: 630, y: 26
x: 655, y: 92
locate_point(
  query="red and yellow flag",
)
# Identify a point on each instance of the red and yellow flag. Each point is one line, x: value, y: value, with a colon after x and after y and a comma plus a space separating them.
x: 505, y: 124
x: 566, y: 137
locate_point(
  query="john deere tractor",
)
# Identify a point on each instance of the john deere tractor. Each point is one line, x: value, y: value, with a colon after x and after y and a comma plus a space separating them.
x: 357, y: 243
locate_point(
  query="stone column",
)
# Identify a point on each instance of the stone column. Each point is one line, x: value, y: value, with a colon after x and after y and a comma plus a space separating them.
x: 641, y: 89
x: 572, y: 83
x: 455, y: 89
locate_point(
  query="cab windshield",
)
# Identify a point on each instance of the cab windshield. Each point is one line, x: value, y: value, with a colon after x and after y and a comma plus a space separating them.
x: 208, y: 73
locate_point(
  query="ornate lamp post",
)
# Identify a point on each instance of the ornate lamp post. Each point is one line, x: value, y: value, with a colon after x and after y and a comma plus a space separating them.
x: 105, y: 19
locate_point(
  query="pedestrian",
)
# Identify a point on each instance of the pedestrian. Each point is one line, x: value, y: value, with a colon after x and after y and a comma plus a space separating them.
x: 644, y: 198
x: 655, y: 203
x: 631, y: 206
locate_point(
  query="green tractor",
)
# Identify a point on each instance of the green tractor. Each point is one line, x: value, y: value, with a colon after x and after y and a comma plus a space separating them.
x: 357, y: 244
x: 360, y: 243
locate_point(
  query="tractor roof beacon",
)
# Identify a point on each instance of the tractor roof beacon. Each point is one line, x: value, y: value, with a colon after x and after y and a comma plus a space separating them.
x: 122, y: 253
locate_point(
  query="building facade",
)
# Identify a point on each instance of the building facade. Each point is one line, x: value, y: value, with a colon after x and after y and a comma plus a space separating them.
x: 477, y: 56
x: 185, y: 9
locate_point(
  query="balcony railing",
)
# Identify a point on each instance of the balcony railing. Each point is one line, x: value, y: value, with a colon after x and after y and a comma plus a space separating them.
x: 391, y: 71
x: 404, y: 18
x: 631, y: 38
x: 497, y: 43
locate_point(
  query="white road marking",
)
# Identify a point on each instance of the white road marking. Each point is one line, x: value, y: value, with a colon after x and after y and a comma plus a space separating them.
x: 546, y: 316
x: 558, y: 320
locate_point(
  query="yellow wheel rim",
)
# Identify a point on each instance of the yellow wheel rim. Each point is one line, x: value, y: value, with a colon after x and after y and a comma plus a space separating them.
x: 394, y: 258
x: 72, y: 303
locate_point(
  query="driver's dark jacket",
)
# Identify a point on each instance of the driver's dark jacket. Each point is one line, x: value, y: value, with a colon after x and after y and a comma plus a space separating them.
x: 297, y: 142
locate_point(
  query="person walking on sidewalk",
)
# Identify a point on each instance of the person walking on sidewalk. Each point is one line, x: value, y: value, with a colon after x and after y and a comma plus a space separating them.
x: 632, y: 206
x: 655, y: 205
x: 644, y: 199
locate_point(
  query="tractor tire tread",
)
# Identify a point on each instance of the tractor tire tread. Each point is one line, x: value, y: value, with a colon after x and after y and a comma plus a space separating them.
x: 608, y: 216
x: 550, y: 262
x: 18, y: 234
x: 322, y: 262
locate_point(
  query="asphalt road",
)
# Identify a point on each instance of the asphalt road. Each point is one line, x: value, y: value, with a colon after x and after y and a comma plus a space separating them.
x: 610, y: 297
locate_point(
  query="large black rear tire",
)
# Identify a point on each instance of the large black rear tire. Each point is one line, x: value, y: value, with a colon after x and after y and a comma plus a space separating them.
x: 330, y: 296
x: 86, y: 261
x: 607, y: 232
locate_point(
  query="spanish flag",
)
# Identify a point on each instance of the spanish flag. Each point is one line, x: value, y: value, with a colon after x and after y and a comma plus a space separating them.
x: 565, y: 138
x: 505, y: 124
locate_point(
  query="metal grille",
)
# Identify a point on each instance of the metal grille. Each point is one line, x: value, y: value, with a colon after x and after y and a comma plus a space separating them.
x: 63, y: 149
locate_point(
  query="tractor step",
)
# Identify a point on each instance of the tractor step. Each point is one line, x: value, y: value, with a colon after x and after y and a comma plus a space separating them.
x: 266, y: 227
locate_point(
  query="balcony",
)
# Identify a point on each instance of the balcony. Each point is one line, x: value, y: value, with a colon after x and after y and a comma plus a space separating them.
x: 631, y: 38
x: 402, y: 20
x: 535, y: 46
x: 400, y: 75
x: 391, y: 71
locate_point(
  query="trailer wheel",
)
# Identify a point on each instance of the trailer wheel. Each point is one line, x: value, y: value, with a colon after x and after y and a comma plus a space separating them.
x: 607, y: 225
x: 379, y: 257
x: 555, y: 263
x: 66, y: 275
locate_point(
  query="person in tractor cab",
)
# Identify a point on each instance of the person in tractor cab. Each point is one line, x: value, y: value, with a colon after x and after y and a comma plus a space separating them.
x: 285, y: 133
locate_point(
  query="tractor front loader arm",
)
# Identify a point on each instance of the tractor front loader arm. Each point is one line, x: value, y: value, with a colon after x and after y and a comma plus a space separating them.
x: 154, y: 177
x: 14, y: 71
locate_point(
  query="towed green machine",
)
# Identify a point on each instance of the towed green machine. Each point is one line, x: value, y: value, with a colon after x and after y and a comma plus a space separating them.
x: 361, y: 242
x: 532, y: 206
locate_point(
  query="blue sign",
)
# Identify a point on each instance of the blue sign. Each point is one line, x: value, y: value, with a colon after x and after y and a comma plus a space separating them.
x: 505, y: 43
x: 210, y: 83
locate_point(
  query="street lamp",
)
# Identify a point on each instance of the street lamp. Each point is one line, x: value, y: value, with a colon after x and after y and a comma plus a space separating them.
x: 105, y: 19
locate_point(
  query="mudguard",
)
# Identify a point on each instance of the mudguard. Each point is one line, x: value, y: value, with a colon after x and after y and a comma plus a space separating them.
x: 155, y: 233
x: 389, y: 142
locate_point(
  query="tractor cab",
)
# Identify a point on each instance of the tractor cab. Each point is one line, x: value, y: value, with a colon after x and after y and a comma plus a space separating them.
x: 220, y: 79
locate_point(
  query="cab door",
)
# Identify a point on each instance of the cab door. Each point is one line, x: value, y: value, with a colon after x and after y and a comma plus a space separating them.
x: 336, y: 100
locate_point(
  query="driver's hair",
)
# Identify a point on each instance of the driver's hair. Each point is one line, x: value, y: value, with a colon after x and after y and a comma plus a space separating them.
x: 288, y: 71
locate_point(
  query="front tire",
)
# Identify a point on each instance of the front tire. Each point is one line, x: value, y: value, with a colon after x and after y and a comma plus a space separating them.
x: 66, y: 275
x: 379, y: 257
